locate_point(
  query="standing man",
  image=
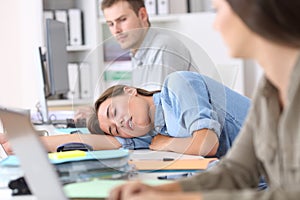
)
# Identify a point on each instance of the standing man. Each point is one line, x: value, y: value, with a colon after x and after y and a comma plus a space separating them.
x: 154, y: 53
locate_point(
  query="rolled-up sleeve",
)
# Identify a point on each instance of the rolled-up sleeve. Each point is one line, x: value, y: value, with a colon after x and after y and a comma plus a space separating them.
x: 187, y: 107
x: 135, y: 143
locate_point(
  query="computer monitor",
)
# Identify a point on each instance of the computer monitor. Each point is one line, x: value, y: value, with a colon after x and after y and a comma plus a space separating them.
x: 57, y: 57
x: 54, y: 62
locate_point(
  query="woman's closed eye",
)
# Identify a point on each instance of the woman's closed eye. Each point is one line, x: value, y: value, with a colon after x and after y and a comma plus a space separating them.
x: 109, y: 131
x: 117, y: 132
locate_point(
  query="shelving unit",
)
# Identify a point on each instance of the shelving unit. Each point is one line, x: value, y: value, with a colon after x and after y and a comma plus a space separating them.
x: 88, y: 52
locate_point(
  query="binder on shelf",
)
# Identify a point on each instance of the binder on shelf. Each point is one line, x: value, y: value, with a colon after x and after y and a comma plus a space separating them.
x: 178, y: 6
x: 119, y: 72
x: 85, y: 81
x: 151, y: 7
x: 195, y: 6
x: 162, y: 7
x: 48, y: 14
x: 207, y: 5
x: 75, y: 26
x: 73, y: 73
x: 62, y: 16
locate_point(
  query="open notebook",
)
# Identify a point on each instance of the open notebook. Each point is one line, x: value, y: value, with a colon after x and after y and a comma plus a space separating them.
x: 39, y: 173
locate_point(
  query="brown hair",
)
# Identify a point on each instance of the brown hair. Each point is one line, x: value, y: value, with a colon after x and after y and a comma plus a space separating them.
x: 117, y: 90
x: 275, y: 20
x: 135, y: 5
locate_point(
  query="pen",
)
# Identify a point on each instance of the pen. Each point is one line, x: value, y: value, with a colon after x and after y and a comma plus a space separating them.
x: 168, y: 159
x: 149, y: 159
x: 173, y: 176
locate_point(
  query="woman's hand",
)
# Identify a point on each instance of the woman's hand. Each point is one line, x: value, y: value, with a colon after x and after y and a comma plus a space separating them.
x: 5, y: 144
x: 160, y: 143
x: 128, y: 190
x: 138, y: 190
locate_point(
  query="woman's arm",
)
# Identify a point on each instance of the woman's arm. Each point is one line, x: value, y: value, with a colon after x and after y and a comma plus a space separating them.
x: 204, y: 142
x: 98, y: 142
x: 136, y: 189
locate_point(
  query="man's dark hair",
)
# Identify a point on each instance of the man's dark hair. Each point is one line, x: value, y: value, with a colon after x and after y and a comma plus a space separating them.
x: 135, y: 5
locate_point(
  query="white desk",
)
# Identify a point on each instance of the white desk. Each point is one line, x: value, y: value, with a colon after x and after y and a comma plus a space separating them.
x: 5, y: 193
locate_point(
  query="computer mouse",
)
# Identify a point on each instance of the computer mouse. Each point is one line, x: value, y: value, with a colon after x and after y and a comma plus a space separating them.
x: 74, y: 146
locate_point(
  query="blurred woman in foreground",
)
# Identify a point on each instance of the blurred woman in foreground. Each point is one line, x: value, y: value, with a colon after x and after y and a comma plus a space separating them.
x: 268, y: 145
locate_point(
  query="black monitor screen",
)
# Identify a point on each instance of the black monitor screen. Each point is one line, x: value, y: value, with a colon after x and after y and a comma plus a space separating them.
x: 56, y: 58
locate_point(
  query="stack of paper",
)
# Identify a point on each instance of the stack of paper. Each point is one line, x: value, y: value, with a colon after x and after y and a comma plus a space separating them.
x: 76, y: 166
x: 105, y: 164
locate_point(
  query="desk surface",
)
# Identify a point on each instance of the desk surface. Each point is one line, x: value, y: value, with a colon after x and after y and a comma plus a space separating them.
x: 139, y: 155
x: 5, y: 193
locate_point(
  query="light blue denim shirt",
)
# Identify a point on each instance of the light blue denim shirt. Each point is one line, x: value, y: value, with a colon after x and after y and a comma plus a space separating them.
x: 189, y: 102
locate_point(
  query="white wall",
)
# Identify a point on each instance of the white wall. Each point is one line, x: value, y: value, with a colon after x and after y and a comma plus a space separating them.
x: 20, y: 36
x: 253, y: 74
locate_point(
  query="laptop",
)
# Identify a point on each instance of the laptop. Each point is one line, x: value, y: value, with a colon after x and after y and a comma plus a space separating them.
x: 40, y: 175
x: 3, y: 154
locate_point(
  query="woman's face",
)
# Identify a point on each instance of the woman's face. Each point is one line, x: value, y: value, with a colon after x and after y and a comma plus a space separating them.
x: 237, y: 36
x: 127, y: 115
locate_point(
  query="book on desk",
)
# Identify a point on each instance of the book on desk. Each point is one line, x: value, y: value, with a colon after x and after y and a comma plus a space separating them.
x: 148, y: 160
x: 175, y: 165
x: 76, y: 166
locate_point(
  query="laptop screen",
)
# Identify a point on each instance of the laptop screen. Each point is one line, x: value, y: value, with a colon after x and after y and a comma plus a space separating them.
x: 40, y: 175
